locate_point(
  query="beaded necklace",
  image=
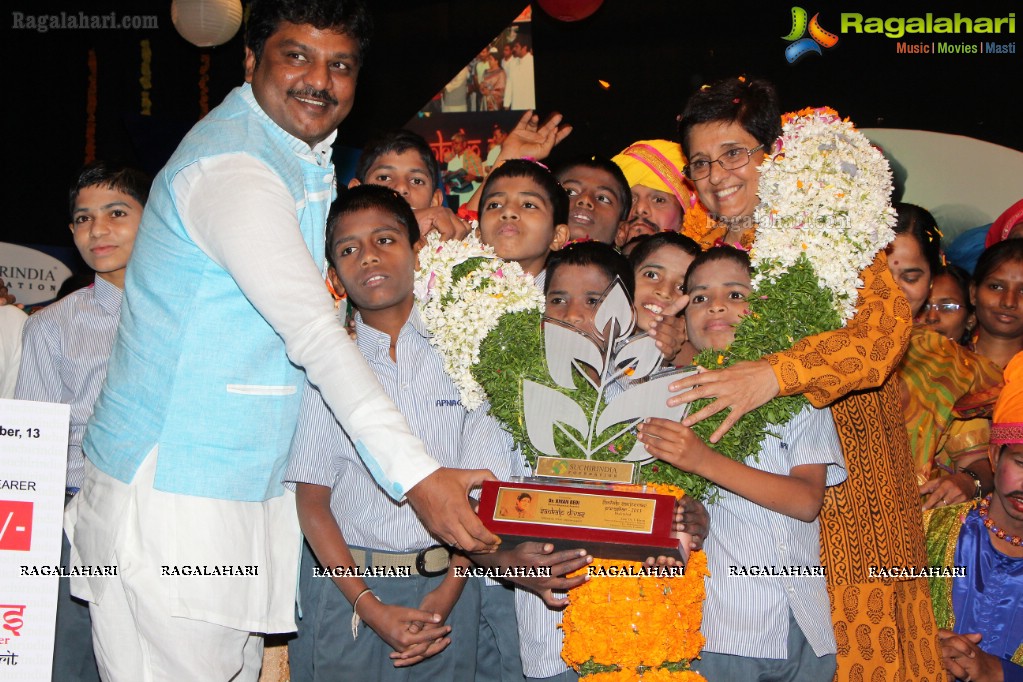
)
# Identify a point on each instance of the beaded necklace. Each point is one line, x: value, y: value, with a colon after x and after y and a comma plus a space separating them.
x: 1014, y: 540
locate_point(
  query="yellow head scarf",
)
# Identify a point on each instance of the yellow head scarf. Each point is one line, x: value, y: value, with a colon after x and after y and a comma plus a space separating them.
x: 1007, y: 421
x: 657, y: 164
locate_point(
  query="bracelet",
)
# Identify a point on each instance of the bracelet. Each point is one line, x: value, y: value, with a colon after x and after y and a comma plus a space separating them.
x: 355, y: 612
x: 976, y: 481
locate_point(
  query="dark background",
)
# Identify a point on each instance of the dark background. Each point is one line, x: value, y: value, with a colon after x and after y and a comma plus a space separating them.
x: 653, y: 53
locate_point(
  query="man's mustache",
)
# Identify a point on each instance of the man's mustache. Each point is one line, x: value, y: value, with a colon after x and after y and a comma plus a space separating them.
x: 644, y: 221
x: 309, y: 93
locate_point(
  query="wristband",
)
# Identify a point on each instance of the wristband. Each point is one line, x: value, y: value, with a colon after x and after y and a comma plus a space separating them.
x: 976, y: 482
x: 355, y: 612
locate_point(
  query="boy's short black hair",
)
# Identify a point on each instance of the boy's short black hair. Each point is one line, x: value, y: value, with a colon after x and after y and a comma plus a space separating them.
x: 714, y: 254
x: 648, y: 243
x: 398, y: 142
x: 750, y: 102
x: 362, y: 197
x: 521, y: 168
x: 130, y: 181
x: 597, y: 254
x: 623, y: 191
x: 349, y: 17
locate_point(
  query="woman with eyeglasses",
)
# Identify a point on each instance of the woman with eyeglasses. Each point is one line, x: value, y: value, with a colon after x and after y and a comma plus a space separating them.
x: 726, y: 131
x: 947, y: 391
x: 872, y: 519
x: 948, y: 310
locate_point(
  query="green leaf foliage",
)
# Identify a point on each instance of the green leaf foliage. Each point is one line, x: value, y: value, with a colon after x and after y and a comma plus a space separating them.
x: 781, y: 312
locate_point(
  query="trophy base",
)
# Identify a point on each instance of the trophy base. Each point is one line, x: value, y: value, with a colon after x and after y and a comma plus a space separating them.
x: 607, y: 523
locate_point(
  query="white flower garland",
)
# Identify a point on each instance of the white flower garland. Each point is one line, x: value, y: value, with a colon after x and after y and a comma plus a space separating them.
x: 459, y: 315
x: 834, y: 187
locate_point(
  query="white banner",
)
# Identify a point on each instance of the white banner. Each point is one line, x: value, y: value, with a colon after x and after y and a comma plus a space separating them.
x: 31, y: 275
x: 33, y: 461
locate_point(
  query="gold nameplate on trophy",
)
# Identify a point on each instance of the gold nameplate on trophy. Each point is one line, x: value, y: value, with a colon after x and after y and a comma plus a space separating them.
x: 585, y: 470
x: 571, y: 508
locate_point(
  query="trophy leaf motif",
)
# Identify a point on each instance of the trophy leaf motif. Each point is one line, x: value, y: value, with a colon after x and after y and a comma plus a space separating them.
x: 547, y: 409
x: 615, y: 308
x: 640, y: 355
x: 565, y: 345
x: 572, y: 354
x: 640, y: 401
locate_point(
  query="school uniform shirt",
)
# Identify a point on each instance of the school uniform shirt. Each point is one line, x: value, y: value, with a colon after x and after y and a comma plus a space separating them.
x: 540, y: 638
x: 322, y: 454
x: 540, y: 279
x: 65, y: 349
x: 746, y: 541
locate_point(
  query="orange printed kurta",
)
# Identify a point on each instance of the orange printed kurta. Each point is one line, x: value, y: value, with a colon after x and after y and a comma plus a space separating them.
x: 873, y: 520
x: 837, y: 368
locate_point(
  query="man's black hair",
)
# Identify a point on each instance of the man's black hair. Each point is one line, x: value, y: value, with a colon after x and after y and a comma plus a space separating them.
x: 343, y: 16
x: 598, y: 254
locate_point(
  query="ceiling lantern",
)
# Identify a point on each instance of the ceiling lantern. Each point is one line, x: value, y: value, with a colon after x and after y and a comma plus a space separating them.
x: 207, y: 23
x: 570, y: 10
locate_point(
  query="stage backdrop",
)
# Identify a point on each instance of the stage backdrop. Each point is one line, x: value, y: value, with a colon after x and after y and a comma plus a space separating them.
x: 130, y: 90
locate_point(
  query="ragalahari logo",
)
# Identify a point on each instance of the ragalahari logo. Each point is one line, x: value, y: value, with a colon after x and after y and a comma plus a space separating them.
x: 801, y: 46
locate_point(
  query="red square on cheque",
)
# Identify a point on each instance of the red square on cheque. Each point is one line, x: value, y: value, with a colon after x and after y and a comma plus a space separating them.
x: 15, y: 525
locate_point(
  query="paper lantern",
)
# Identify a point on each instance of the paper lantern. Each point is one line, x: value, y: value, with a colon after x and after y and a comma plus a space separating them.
x: 206, y: 23
x: 570, y: 10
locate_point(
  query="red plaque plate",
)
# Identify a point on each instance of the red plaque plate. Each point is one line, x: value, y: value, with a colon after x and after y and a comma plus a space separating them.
x: 611, y: 524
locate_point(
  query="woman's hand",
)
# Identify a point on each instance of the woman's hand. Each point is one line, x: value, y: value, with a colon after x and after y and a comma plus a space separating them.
x: 946, y: 490
x: 742, y: 388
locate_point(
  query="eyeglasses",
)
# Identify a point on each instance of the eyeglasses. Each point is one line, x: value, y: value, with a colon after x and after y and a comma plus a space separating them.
x: 730, y: 160
x: 943, y: 307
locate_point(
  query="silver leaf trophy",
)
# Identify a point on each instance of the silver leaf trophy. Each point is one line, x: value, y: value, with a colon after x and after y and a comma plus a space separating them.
x: 583, y: 501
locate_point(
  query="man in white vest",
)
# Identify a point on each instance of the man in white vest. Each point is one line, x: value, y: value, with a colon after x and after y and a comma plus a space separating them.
x: 224, y: 308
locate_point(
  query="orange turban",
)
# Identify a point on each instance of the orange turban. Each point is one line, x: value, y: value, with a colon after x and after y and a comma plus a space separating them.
x: 656, y: 164
x: 1007, y: 421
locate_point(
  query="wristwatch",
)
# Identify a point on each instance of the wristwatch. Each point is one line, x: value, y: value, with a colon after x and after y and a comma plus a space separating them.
x: 976, y: 481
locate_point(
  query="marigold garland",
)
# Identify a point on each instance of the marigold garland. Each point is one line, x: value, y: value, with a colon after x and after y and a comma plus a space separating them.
x: 831, y: 186
x: 497, y: 343
x: 696, y: 221
x: 636, y: 628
